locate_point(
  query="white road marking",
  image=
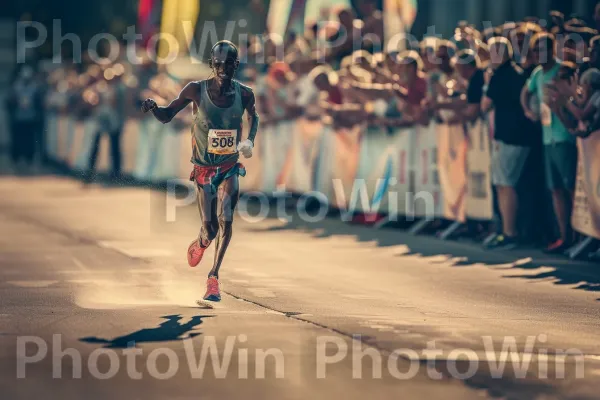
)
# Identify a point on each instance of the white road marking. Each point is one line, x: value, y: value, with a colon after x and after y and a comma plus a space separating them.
x: 32, y: 284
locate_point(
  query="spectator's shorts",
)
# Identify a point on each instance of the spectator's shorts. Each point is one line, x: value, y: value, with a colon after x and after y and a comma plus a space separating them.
x: 508, y: 161
x: 561, y: 165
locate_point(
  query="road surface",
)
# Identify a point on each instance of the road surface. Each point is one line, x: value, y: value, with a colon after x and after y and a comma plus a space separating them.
x: 97, y: 302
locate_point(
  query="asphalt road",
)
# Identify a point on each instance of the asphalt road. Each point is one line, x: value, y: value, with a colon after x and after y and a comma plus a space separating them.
x: 97, y: 302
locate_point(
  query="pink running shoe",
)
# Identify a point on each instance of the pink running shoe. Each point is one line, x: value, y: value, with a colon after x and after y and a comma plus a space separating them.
x: 195, y: 253
x: 212, y: 289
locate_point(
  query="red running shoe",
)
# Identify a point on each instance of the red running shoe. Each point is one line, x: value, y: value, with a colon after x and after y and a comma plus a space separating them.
x: 195, y: 253
x: 212, y: 289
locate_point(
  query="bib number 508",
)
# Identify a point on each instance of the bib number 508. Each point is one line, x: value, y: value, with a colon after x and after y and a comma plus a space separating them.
x: 222, y: 142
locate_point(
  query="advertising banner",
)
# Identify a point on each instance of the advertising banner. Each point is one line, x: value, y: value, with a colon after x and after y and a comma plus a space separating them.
x: 586, y: 208
x: 479, y: 194
x: 452, y: 167
x: 426, y: 176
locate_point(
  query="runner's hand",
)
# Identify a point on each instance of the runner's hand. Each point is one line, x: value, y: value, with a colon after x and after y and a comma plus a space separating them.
x: 245, y: 148
x: 148, y: 105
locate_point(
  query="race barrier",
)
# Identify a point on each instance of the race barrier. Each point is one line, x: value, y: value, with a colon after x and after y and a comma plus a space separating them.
x: 586, y: 207
x: 434, y: 171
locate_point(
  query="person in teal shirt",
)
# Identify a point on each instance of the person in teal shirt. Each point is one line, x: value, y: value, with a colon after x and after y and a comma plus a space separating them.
x: 560, y: 151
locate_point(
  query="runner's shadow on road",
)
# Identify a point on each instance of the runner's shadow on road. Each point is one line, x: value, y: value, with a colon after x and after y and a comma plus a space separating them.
x: 168, y: 331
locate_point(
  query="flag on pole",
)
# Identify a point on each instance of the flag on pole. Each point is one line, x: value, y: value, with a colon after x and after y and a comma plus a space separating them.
x: 178, y: 21
x: 149, y: 13
x: 296, y: 18
x: 398, y: 18
x: 277, y: 19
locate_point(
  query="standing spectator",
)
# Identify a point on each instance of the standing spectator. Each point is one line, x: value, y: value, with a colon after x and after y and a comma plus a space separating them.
x: 597, y: 16
x: 560, y: 152
x: 512, y: 138
x: 413, y: 79
x: 535, y: 211
x: 445, y: 87
x: 25, y: 105
x: 110, y: 121
x: 467, y: 108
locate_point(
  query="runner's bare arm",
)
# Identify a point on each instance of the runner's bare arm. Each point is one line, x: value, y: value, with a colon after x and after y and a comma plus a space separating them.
x: 166, y: 114
x: 249, y: 103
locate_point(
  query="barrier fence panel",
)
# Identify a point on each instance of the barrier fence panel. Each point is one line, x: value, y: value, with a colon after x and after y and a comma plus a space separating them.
x: 426, y: 172
x: 479, y: 196
x: 83, y: 145
x: 63, y: 131
x: 254, y: 165
x: 338, y: 163
x: 298, y: 174
x: 52, y: 135
x: 586, y: 208
x: 150, y: 140
x: 422, y: 169
x: 374, y: 166
x: 166, y: 164
x: 452, y: 167
x: 396, y: 190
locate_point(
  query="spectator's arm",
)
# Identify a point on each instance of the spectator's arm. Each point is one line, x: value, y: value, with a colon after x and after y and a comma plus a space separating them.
x: 486, y: 104
x: 525, y: 101
x: 582, y: 114
x: 379, y: 89
x: 396, y: 122
x: 529, y: 88
x: 568, y: 122
x: 472, y: 111
x: 454, y: 104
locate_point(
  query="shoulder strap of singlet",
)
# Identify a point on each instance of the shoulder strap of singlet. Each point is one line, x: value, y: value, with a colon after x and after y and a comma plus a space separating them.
x: 238, y: 94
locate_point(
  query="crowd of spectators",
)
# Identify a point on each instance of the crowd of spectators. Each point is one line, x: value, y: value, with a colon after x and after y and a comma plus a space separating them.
x: 536, y: 80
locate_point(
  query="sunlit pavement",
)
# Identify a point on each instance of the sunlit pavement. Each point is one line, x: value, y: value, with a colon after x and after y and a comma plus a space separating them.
x: 102, y: 268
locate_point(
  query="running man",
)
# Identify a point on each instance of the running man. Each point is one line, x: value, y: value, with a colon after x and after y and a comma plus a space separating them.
x: 218, y: 105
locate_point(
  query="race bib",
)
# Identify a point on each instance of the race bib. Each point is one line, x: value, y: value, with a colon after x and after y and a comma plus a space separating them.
x: 546, y: 115
x: 222, y: 141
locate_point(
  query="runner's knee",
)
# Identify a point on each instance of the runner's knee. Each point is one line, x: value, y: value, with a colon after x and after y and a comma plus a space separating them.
x: 225, y: 224
x: 211, y: 229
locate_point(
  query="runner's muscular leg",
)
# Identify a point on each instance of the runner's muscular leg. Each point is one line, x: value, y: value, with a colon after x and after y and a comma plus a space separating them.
x: 228, y: 195
x: 207, y: 206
